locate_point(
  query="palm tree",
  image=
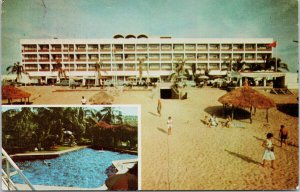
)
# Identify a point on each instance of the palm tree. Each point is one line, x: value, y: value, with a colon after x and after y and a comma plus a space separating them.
x: 179, y: 70
x: 18, y: 69
x: 271, y: 63
x: 98, y: 69
x: 141, y: 63
x: 60, y: 71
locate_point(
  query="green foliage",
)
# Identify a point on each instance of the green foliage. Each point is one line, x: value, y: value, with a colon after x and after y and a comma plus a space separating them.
x: 43, y: 127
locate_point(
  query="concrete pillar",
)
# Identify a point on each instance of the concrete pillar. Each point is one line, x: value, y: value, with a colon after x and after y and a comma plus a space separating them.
x: 241, y: 82
x: 83, y: 81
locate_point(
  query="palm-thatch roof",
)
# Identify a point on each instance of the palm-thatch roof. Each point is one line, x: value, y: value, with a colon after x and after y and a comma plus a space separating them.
x: 247, y: 97
x: 11, y: 92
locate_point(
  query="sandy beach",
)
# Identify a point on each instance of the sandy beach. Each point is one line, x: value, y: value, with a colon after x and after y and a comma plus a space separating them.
x: 195, y: 157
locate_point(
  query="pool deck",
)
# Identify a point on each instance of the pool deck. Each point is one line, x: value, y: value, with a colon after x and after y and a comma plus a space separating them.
x: 44, y: 155
x: 51, y: 188
x: 124, y: 165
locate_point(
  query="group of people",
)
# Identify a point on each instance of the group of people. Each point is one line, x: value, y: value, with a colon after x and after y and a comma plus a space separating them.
x: 213, y: 121
x: 269, y: 148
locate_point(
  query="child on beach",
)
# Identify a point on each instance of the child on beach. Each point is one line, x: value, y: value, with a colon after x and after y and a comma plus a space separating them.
x: 228, y: 122
x: 269, y: 150
x: 206, y: 120
x: 283, y: 134
x: 213, y: 121
x: 83, y: 100
x: 169, y: 124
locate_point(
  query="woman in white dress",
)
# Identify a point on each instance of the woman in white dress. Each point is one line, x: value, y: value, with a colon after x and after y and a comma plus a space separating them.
x: 269, y: 150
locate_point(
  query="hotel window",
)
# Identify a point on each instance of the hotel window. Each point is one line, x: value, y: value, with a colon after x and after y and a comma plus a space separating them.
x: 44, y: 57
x: 178, y: 47
x: 202, y: 47
x: 80, y: 47
x: 81, y: 57
x: 142, y: 56
x: 166, y: 66
x: 202, y: 56
x: 166, y: 47
x: 238, y: 47
x: 178, y: 56
x: 154, y: 66
x: 166, y: 56
x: 44, y: 67
x: 93, y: 47
x: 226, y: 47
x: 250, y: 47
x: 119, y: 57
x: 214, y: 47
x: 56, y: 47
x: 105, y: 47
x: 153, y: 57
x: 190, y: 47
x: 154, y: 47
x: 129, y: 57
x: 249, y: 56
x: 237, y: 56
x: 105, y: 57
x: 214, y: 56
x: 29, y: 47
x: 93, y: 57
x: 56, y: 57
x: 214, y: 65
x: 68, y: 47
x: 31, y: 67
x: 44, y: 47
x: 191, y: 56
x: 30, y: 57
x: 91, y: 67
x: 226, y: 56
x: 202, y: 65
x: 263, y: 56
x: 119, y: 47
x: 262, y: 47
x: 141, y: 47
x: 81, y: 66
x: 130, y: 47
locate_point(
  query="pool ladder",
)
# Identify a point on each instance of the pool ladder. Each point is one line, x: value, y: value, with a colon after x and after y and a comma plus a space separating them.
x: 7, y: 183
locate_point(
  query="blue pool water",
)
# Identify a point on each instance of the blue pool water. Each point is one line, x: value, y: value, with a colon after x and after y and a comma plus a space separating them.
x: 84, y: 168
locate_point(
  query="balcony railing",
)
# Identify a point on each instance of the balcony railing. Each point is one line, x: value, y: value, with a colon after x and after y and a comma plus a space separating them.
x: 31, y: 69
x: 249, y: 59
x: 226, y: 49
x: 81, y: 59
x: 130, y: 50
x: 250, y: 49
x: 92, y: 50
x: 80, y: 50
x: 105, y: 59
x: 55, y: 50
x: 129, y: 69
x: 44, y: 69
x: 81, y: 69
x: 166, y: 49
x: 144, y: 49
x: 202, y: 59
x: 264, y: 49
x: 153, y: 49
x: 30, y: 60
x: 191, y: 59
x: 214, y: 59
x: 166, y: 59
x: 153, y: 59
x: 66, y: 50
x: 44, y: 60
x: 234, y: 49
x: 43, y: 50
x: 202, y: 49
x: 214, y: 49
x: 105, y: 50
x: 31, y: 50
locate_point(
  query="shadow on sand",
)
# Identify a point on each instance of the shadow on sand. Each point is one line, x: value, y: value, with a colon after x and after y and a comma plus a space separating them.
x: 243, y: 157
x: 239, y: 114
x: 289, y: 109
x: 154, y: 114
x: 162, y: 130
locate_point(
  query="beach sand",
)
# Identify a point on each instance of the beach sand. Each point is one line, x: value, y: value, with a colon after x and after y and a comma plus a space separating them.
x: 195, y: 157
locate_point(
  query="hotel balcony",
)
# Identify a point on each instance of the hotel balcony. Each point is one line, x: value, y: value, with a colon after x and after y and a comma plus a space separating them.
x: 68, y: 50
x: 140, y: 49
x: 154, y: 59
x: 214, y: 59
x: 129, y: 50
x: 202, y: 59
x: 166, y: 59
x: 72, y: 59
x: 153, y: 49
x: 43, y: 50
x: 129, y: 68
x: 226, y: 49
x: 31, y: 60
x: 80, y: 50
x: 249, y: 59
x: 81, y: 59
x: 44, y: 60
x: 214, y: 49
x: 264, y: 49
x: 191, y: 59
x: 92, y: 50
x: 45, y: 69
x: 29, y: 50
x: 248, y: 49
x: 166, y: 49
x: 105, y: 50
x: 55, y: 50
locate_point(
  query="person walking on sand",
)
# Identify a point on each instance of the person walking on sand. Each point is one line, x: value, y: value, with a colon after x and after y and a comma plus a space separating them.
x: 83, y: 100
x: 283, y: 134
x: 269, y: 151
x: 169, y: 124
x: 159, y: 107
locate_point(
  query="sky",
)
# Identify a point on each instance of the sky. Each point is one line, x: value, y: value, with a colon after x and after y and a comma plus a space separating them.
x: 26, y: 19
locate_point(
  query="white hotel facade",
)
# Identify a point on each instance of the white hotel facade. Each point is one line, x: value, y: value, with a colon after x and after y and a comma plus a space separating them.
x: 120, y: 55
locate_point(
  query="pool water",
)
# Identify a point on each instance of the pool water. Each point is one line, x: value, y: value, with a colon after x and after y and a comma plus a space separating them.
x: 84, y: 168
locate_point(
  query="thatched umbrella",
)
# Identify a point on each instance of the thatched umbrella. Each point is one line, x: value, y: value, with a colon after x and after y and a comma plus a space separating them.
x: 11, y: 92
x: 247, y: 97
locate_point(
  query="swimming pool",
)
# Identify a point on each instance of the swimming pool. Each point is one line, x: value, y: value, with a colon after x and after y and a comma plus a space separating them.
x: 84, y: 168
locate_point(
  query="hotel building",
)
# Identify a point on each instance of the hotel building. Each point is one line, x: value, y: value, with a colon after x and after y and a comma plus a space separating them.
x: 120, y: 55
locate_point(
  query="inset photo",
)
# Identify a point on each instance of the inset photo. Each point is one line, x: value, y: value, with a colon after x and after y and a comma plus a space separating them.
x: 70, y: 148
